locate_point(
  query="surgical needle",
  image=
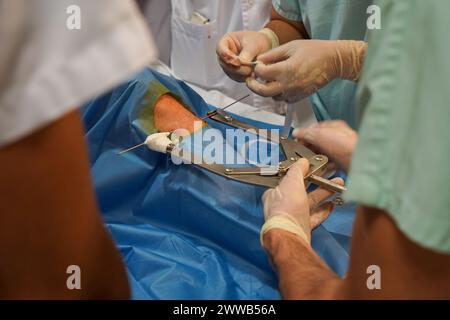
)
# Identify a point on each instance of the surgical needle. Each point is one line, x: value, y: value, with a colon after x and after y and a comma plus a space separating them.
x: 214, y: 112
x: 132, y: 148
x: 209, y: 115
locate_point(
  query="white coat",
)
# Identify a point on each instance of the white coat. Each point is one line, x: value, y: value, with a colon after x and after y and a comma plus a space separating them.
x: 191, y: 50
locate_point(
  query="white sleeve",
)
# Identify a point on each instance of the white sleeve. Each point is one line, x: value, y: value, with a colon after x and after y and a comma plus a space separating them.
x: 50, y: 70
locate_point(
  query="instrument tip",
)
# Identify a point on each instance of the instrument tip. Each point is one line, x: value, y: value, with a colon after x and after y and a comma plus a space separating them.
x: 129, y: 149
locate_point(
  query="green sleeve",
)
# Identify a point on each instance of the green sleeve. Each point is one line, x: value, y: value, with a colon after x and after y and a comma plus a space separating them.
x: 402, y: 161
x: 289, y: 9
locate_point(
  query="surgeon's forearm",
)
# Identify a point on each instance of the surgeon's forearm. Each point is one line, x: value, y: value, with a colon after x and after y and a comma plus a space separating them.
x: 285, y: 29
x: 302, y: 274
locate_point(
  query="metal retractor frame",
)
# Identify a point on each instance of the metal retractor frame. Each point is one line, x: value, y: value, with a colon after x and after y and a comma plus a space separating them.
x: 267, y: 177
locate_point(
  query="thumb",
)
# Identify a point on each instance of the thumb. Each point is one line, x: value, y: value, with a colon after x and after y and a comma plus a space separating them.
x: 273, y: 56
x: 294, y: 179
x: 298, y: 170
x: 248, y: 53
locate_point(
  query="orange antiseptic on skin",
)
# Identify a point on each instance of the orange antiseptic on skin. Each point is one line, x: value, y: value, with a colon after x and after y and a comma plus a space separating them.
x: 169, y: 114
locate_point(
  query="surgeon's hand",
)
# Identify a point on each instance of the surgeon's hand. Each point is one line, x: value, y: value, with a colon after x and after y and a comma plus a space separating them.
x: 236, y: 49
x: 335, y: 139
x: 290, y: 200
x: 299, y: 68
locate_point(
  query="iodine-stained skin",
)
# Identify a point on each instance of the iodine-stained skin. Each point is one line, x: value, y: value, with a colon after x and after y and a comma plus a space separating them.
x: 162, y: 110
x: 169, y: 115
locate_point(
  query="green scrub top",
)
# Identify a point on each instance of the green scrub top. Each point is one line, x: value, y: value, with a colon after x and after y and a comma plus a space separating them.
x: 402, y: 162
x: 330, y: 20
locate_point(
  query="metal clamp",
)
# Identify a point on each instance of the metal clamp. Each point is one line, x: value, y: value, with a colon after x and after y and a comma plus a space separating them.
x: 271, y: 176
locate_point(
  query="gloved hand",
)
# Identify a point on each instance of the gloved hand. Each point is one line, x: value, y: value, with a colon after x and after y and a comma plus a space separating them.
x: 335, y: 139
x: 289, y: 207
x: 236, y: 48
x: 299, y: 68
